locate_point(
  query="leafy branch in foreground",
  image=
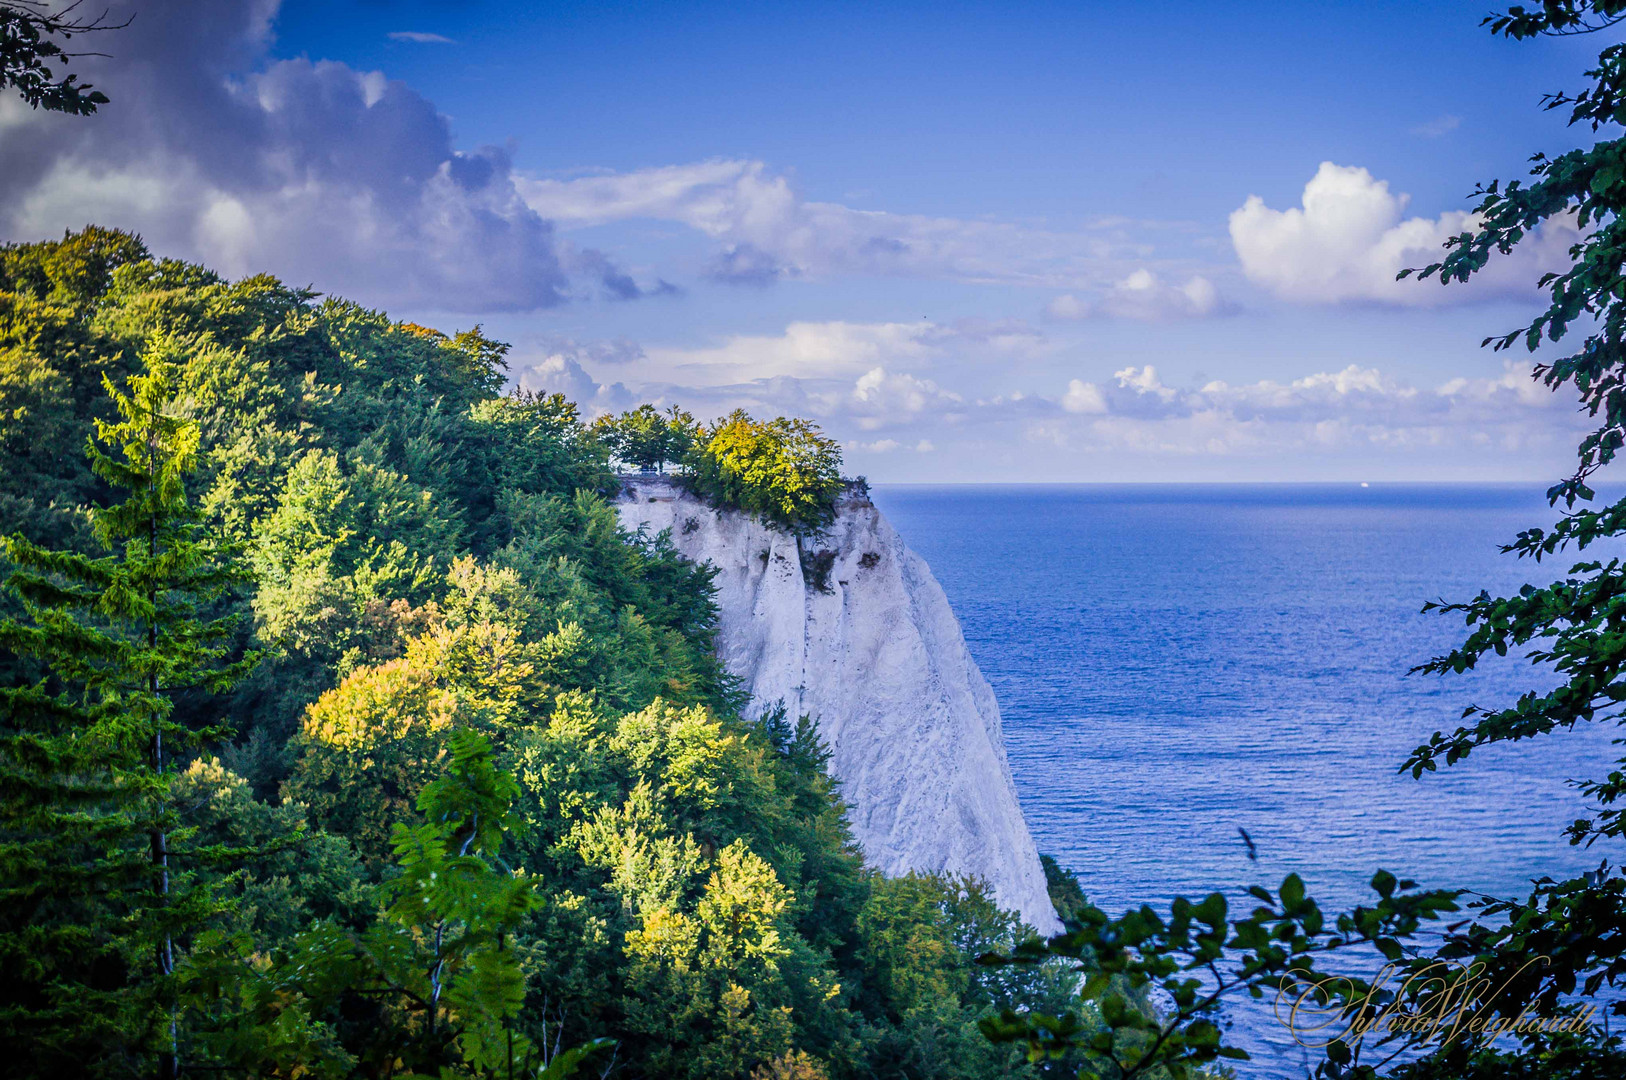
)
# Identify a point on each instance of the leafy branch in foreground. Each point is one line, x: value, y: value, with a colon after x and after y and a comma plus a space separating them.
x: 29, y: 33
x: 1191, y: 961
x: 439, y: 966
x: 1573, y: 628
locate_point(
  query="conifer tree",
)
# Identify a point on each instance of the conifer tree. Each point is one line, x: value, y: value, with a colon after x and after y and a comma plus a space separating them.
x: 93, y: 904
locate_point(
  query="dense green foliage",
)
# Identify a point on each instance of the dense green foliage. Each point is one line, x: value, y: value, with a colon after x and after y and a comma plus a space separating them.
x: 784, y: 470
x: 1563, y: 948
x: 485, y: 797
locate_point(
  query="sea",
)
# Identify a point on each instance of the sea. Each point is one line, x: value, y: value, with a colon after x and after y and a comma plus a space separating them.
x: 1176, y: 663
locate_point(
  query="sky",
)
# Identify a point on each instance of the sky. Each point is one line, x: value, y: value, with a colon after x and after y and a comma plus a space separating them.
x: 987, y: 243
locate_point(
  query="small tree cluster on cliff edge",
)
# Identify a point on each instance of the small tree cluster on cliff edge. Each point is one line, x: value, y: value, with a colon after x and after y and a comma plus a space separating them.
x: 785, y: 470
x: 646, y: 438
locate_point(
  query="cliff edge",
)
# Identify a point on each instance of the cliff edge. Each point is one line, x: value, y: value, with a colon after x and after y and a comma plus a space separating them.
x: 873, y: 651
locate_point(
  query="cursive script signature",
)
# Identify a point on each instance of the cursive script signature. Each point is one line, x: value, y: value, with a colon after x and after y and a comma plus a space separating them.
x: 1434, y: 1004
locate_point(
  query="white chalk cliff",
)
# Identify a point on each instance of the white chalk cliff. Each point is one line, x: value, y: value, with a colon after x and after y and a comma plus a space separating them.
x: 880, y: 663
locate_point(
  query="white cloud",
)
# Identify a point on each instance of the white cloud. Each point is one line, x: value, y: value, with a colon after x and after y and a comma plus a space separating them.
x: 803, y: 350
x: 1343, y: 417
x: 766, y: 231
x: 885, y: 446
x: 1011, y: 337
x: 613, y: 351
x: 1349, y: 409
x: 862, y: 377
x: 1068, y: 306
x: 560, y: 371
x: 1083, y: 397
x: 879, y: 399
x: 839, y: 350
x: 1144, y: 296
x: 418, y: 37
x: 1350, y: 238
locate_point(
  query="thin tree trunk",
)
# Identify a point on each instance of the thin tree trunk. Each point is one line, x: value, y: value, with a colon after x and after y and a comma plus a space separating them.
x: 168, y: 1061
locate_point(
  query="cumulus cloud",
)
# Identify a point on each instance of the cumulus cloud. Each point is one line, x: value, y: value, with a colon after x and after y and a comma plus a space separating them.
x: 766, y: 231
x: 1083, y: 397
x: 882, y: 399
x: 1144, y: 296
x: 214, y: 150
x: 1351, y: 409
x: 1350, y: 238
x: 559, y: 371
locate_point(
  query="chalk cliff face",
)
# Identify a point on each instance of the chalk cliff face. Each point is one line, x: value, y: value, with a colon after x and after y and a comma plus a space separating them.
x: 879, y: 661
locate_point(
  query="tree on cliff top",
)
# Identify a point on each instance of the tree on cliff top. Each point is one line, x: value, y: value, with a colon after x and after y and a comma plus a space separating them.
x: 786, y: 470
x: 646, y: 438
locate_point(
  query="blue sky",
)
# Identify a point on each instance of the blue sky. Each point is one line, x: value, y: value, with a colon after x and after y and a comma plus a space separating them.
x: 1061, y: 242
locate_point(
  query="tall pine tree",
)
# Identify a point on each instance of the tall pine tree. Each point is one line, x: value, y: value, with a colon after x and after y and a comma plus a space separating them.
x: 94, y: 904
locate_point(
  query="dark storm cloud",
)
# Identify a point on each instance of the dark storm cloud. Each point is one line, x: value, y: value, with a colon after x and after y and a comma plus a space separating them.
x: 313, y: 170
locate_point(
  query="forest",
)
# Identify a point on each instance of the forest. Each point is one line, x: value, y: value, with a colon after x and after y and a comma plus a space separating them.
x: 347, y: 732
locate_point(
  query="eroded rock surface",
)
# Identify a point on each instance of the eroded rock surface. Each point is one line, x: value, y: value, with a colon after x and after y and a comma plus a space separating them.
x: 876, y: 655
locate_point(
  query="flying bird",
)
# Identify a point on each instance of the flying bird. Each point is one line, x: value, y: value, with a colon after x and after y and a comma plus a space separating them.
x: 1253, y: 849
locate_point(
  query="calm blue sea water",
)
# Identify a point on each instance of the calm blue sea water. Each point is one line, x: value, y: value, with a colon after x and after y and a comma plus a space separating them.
x: 1174, y: 662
